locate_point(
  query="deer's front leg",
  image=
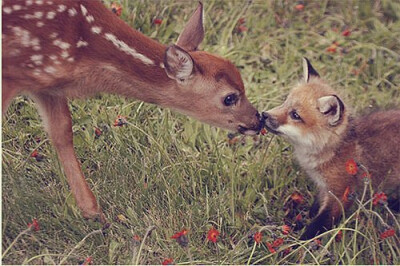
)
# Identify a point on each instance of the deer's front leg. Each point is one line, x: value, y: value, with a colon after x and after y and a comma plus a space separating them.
x: 57, y: 121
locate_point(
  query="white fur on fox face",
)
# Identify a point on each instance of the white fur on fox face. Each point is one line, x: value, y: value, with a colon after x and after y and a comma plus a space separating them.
x: 295, y: 135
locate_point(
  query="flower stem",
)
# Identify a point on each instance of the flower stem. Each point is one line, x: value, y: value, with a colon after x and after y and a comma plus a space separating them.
x: 15, y: 240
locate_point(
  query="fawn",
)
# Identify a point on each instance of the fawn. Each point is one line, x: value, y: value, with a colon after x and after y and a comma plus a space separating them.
x: 54, y: 50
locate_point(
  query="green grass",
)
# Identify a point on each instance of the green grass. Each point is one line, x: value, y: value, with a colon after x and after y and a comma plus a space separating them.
x: 171, y: 172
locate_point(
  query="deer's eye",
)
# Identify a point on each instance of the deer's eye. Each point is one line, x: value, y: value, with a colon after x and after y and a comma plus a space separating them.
x: 231, y: 99
x: 294, y: 115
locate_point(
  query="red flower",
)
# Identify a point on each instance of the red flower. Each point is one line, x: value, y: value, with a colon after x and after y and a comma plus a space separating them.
x: 34, y: 225
x: 317, y: 242
x: 332, y: 47
x: 257, y: 237
x: 88, y: 261
x: 287, y: 251
x: 299, y: 7
x: 157, y: 21
x: 339, y: 236
x: 116, y: 9
x: 179, y: 234
x: 270, y: 247
x: 120, y: 121
x: 345, y: 197
x: 97, y: 132
x: 168, y: 261
x: 379, y: 198
x: 213, y: 235
x: 351, y: 167
x: 297, y: 197
x: 34, y: 153
x: 346, y: 33
x: 181, y: 238
x: 387, y: 233
x: 241, y: 21
x: 298, y: 217
x: 242, y: 28
x: 263, y: 131
x: 277, y: 242
x: 285, y: 229
x: 366, y: 175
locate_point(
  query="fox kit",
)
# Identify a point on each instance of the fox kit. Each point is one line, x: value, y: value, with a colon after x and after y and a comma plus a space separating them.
x: 325, y: 136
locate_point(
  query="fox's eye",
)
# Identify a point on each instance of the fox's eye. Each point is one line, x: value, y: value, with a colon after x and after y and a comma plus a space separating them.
x: 231, y: 99
x: 294, y: 115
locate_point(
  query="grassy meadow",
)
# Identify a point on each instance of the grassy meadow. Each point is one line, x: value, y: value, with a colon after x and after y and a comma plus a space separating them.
x: 163, y: 172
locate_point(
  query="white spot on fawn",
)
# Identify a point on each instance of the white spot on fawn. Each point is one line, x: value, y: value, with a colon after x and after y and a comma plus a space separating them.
x: 49, y: 2
x: 7, y: 10
x: 50, y: 69
x: 38, y: 14
x: 37, y: 59
x: 72, y: 12
x: 51, y: 15
x: 37, y: 72
x: 96, y: 30
x: 25, y: 38
x: 39, y: 24
x: 61, y: 44
x: 64, y: 54
x: 81, y: 43
x: 53, y: 35
x: 16, y: 7
x: 89, y: 19
x: 39, y: 2
x: 53, y: 57
x: 28, y: 2
x: 84, y: 10
x: 61, y: 8
x: 129, y: 50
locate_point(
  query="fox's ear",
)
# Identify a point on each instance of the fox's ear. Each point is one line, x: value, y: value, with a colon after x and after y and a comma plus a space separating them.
x: 193, y: 33
x: 308, y: 70
x: 332, y: 107
x: 178, y: 63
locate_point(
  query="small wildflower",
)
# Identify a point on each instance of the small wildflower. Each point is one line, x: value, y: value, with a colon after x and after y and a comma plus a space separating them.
x: 34, y: 153
x: 97, y: 132
x: 213, y: 235
x: 263, y: 131
x: 332, y: 48
x: 257, y: 237
x: 346, y: 33
x: 241, y: 21
x: 116, y: 9
x: 120, y: 121
x: 157, y: 21
x: 297, y: 197
x: 168, y: 261
x: 299, y: 7
x: 317, y: 242
x: 88, y: 261
x: 181, y: 238
x: 242, y: 28
x: 339, y: 236
x: 298, y: 217
x: 345, y: 197
x: 379, y: 198
x: 277, y: 242
x: 351, y: 167
x: 121, y: 218
x: 270, y: 247
x: 285, y: 229
x: 387, y: 233
x: 34, y: 225
x: 136, y: 240
x: 287, y: 251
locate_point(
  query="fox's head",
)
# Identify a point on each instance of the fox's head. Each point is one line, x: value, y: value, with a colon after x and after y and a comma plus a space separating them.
x: 312, y: 118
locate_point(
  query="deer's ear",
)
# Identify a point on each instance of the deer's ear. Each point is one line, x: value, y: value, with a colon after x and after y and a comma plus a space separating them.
x: 332, y: 108
x: 193, y: 33
x: 308, y: 70
x: 178, y: 63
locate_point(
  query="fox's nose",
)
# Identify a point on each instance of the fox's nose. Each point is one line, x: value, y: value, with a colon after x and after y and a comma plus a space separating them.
x: 265, y: 116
